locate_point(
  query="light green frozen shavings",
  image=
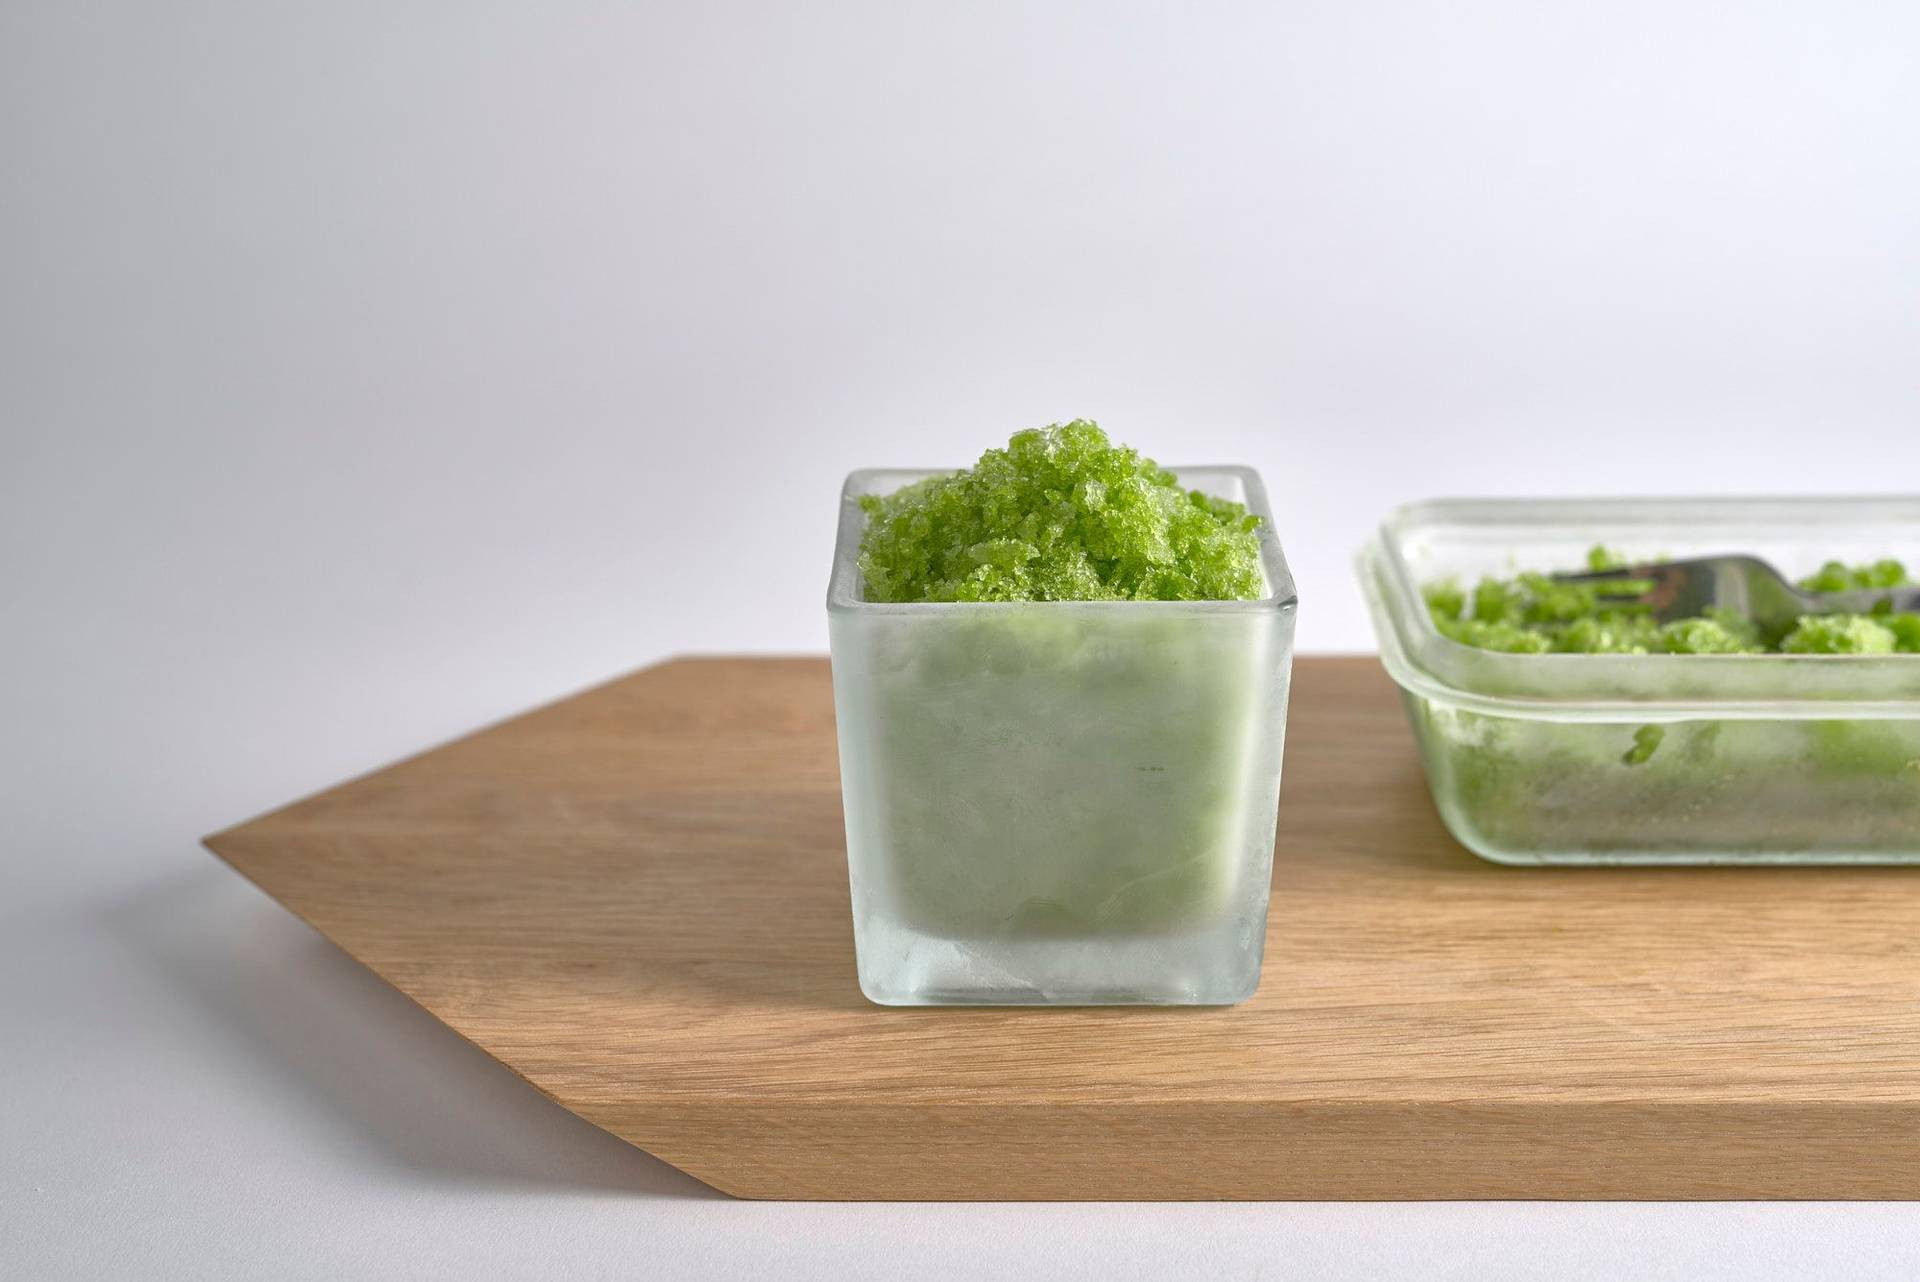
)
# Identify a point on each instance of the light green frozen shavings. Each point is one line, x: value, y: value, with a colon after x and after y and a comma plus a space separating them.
x: 1720, y: 632
x: 1060, y: 514
x: 1538, y: 614
x: 1836, y: 576
x: 1838, y: 634
x: 1905, y: 629
x: 1614, y: 633
x: 1601, y: 558
x: 1509, y: 638
x: 1646, y: 742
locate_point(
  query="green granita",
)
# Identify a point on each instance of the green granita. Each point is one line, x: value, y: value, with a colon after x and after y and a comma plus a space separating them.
x: 1032, y: 773
x: 1881, y: 632
x: 1838, y: 634
x: 1905, y: 629
x: 1524, y: 789
x: 1836, y: 576
x: 1060, y: 514
x: 1538, y: 614
x: 1719, y: 632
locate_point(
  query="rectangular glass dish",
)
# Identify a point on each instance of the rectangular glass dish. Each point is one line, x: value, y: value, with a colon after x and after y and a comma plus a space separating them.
x: 1655, y: 758
x: 1065, y: 802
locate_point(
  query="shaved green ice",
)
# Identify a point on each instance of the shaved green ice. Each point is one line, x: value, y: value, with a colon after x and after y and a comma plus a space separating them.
x: 1550, y: 790
x: 1836, y: 576
x: 1535, y: 613
x: 1060, y: 514
x: 1839, y: 634
x: 1041, y: 789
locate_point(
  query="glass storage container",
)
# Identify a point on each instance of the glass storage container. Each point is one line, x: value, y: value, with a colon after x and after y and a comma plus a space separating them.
x: 1657, y: 758
x: 1063, y: 802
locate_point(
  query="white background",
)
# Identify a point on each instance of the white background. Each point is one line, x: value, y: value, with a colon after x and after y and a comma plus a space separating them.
x: 369, y: 371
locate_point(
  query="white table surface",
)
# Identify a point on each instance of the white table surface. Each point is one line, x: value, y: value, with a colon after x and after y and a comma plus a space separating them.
x: 367, y: 372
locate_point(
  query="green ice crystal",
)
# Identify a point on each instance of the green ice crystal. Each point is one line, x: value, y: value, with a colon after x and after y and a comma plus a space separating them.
x: 1838, y: 634
x: 1835, y: 576
x: 1060, y: 514
x: 1538, y: 614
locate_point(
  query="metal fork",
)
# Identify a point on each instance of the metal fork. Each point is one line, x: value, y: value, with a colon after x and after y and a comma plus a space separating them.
x: 1684, y: 590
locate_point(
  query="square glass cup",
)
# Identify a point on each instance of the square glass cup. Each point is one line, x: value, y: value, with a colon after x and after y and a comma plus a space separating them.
x: 1060, y: 802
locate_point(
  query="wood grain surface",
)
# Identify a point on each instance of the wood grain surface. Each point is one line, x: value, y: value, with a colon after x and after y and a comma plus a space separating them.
x: 637, y: 900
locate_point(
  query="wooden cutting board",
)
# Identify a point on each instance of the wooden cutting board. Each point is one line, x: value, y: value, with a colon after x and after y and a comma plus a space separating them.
x: 637, y: 900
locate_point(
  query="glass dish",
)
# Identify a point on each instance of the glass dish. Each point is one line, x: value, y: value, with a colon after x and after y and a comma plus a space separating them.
x: 1065, y: 802
x: 1653, y: 759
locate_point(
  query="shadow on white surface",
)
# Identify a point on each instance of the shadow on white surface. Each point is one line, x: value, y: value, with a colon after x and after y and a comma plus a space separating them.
x: 367, y: 1071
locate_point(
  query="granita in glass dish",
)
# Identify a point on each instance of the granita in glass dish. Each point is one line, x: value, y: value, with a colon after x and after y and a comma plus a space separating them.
x: 1060, y: 682
x: 1557, y: 727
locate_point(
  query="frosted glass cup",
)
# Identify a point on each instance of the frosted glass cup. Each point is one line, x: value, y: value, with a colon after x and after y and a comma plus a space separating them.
x: 1066, y: 802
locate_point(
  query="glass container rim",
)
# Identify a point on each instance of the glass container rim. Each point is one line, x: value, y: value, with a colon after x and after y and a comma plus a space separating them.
x: 1423, y: 660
